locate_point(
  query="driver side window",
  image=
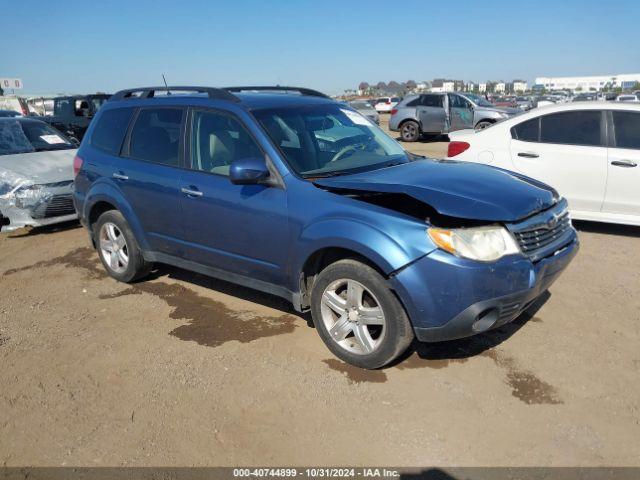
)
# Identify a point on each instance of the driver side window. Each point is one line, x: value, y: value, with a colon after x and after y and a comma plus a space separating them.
x: 217, y: 140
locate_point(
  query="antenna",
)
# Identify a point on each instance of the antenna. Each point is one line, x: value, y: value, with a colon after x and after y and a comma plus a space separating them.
x: 165, y: 84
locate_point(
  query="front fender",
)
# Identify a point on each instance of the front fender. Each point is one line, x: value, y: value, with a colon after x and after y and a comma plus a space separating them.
x: 389, y: 251
x: 105, y: 191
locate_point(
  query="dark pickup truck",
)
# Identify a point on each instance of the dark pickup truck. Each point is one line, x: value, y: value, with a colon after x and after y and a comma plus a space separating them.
x: 72, y: 114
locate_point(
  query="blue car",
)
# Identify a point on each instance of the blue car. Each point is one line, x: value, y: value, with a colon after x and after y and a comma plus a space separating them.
x: 286, y: 191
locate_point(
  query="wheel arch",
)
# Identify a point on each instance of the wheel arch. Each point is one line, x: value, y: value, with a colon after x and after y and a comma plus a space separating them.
x: 104, y: 197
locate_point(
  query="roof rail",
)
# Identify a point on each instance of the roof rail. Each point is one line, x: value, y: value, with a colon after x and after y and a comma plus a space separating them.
x: 278, y: 88
x: 149, y: 92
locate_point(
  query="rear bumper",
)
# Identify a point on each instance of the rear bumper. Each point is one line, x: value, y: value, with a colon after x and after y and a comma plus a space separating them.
x: 448, y: 297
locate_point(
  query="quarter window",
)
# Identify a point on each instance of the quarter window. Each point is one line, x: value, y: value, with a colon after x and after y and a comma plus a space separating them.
x: 627, y: 129
x: 217, y: 140
x: 572, y: 128
x: 528, y: 131
x: 110, y: 130
x: 156, y: 136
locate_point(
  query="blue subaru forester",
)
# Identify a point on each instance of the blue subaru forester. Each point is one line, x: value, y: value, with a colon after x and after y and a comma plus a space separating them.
x: 289, y: 192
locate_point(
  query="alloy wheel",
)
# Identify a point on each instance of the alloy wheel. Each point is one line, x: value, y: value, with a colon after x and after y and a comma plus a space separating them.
x: 113, y: 247
x: 353, y: 316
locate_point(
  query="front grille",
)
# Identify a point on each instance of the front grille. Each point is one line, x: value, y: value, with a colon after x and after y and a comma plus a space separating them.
x: 56, y: 206
x: 541, y: 236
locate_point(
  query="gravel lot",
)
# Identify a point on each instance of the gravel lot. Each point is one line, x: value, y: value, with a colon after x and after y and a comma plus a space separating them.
x: 185, y: 370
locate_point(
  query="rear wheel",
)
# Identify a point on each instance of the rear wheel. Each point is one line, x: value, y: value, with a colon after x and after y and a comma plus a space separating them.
x: 482, y: 124
x: 410, y: 131
x: 357, y: 316
x: 118, y: 249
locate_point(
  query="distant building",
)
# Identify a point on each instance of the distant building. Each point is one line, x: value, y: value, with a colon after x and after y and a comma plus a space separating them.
x: 590, y: 83
x: 442, y: 85
x: 519, y: 86
x: 499, y: 87
x: 471, y: 87
x: 482, y: 87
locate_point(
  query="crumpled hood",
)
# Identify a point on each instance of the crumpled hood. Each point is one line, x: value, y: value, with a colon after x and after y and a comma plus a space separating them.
x: 39, y: 167
x: 457, y: 189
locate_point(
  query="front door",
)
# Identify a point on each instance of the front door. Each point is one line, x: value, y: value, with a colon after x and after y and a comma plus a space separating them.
x: 242, y: 229
x: 623, y: 179
x: 567, y: 151
x: 460, y: 113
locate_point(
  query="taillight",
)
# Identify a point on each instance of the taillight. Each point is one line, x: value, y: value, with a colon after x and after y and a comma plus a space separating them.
x: 456, y: 148
x: 388, y: 102
x: 394, y: 111
x: 77, y: 165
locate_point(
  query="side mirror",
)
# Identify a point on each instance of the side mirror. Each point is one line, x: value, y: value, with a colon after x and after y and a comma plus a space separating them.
x: 248, y: 171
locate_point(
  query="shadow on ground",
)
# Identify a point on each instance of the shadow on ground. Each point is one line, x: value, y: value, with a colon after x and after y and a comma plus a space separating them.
x: 607, y: 228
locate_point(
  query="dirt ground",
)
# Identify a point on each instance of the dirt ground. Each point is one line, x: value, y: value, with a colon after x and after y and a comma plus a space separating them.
x: 183, y: 370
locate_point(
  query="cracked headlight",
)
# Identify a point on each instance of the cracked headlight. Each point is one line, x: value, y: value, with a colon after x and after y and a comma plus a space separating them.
x: 485, y: 244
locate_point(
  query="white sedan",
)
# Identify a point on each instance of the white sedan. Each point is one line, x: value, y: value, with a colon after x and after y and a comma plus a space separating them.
x: 588, y: 151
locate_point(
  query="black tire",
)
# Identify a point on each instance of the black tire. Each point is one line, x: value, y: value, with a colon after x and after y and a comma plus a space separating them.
x: 482, y: 124
x: 410, y: 131
x: 398, y: 332
x: 137, y: 267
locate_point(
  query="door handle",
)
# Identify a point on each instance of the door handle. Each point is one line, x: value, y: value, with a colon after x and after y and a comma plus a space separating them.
x: 528, y: 155
x: 190, y: 192
x: 624, y: 163
x: 120, y: 176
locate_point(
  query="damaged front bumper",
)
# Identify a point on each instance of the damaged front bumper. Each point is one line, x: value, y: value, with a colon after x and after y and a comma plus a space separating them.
x: 25, y: 203
x: 448, y: 297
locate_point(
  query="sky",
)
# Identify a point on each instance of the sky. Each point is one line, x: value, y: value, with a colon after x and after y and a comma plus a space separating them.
x: 331, y: 45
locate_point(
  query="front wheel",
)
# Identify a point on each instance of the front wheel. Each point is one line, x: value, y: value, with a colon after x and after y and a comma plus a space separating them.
x: 410, y: 131
x: 357, y: 316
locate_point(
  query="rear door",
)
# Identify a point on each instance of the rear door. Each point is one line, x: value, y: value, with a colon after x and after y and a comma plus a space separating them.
x: 623, y: 180
x: 148, y: 172
x: 566, y: 150
x: 431, y: 113
x: 460, y: 113
x: 242, y: 229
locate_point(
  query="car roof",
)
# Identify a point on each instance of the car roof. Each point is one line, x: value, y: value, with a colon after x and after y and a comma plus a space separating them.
x: 249, y: 97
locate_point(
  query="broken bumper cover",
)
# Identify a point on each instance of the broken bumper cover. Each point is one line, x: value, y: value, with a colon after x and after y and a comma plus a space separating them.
x: 23, y: 203
x: 447, y: 297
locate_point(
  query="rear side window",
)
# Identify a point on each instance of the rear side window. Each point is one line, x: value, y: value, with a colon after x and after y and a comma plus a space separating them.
x: 528, y: 131
x: 110, y: 130
x: 572, y: 128
x: 414, y: 103
x: 156, y: 136
x: 432, y: 100
x: 627, y: 129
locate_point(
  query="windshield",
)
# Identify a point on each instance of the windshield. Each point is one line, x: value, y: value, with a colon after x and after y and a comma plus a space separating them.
x: 328, y: 140
x: 478, y: 100
x: 30, y: 136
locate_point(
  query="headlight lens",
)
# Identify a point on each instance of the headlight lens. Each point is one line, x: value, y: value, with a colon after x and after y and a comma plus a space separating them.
x: 485, y: 244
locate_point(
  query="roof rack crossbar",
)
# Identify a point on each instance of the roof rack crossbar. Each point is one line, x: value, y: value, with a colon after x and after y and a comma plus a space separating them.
x: 149, y: 92
x: 278, y: 88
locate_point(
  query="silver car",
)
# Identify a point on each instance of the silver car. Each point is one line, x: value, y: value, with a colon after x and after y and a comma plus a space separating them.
x: 36, y: 174
x: 366, y: 109
x: 441, y: 113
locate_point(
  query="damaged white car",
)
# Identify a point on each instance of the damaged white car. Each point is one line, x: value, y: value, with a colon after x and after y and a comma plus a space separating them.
x: 36, y: 174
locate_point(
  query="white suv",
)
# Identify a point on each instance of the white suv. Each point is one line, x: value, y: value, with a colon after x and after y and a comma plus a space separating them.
x: 588, y: 151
